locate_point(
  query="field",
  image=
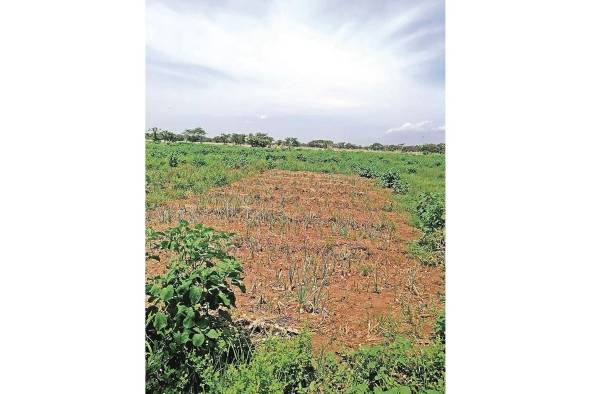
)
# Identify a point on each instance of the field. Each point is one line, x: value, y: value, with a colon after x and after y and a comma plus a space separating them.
x: 344, y: 247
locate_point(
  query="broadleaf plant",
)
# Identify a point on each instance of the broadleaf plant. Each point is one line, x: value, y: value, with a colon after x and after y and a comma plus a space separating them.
x: 187, y: 314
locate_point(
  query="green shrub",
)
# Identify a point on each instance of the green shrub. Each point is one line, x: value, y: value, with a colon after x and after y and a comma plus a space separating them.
x: 173, y: 161
x: 188, y: 324
x: 198, y: 162
x: 365, y: 172
x: 301, y: 157
x: 431, y: 211
x: 219, y: 179
x: 439, y: 329
x: 236, y: 162
x: 392, y: 180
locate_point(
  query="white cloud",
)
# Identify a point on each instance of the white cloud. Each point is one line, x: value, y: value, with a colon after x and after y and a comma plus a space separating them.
x: 425, y: 125
x: 292, y: 60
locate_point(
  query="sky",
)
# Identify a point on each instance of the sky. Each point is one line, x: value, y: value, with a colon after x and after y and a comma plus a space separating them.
x: 354, y: 71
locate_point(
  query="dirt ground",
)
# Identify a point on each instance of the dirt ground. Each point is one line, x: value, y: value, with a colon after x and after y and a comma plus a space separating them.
x: 322, y: 251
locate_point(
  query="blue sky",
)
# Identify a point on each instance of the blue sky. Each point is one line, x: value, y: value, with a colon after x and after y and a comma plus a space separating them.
x: 362, y: 72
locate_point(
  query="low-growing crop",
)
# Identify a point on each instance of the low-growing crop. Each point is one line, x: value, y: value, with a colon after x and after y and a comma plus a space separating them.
x: 198, y: 162
x: 391, y: 179
x: 431, y: 211
x: 173, y: 160
x: 219, y: 180
x: 365, y: 172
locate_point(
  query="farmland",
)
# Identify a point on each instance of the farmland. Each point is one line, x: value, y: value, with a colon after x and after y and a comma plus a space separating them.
x: 343, y: 247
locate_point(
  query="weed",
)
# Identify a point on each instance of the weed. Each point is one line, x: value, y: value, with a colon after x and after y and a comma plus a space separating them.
x: 365, y: 270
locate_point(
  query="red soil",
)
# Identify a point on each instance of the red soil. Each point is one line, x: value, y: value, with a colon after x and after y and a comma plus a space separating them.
x: 329, y: 235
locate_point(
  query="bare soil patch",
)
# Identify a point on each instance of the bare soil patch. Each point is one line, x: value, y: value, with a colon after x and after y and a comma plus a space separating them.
x: 319, y: 250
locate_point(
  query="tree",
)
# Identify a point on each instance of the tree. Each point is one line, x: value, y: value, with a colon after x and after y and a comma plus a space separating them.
x: 259, y: 140
x: 376, y: 146
x: 223, y: 138
x: 195, y: 134
x: 238, y: 139
x: 167, y: 135
x: 292, y: 142
x: 154, y: 131
x: 321, y: 143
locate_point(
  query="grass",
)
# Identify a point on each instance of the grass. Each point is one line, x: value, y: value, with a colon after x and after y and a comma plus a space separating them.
x: 203, y: 166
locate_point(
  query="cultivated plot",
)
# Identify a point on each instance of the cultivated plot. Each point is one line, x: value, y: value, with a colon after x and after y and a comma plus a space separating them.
x: 323, y: 251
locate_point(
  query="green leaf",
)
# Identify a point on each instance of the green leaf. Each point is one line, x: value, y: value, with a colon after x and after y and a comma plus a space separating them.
x: 189, y: 322
x: 159, y: 321
x: 225, y: 299
x: 181, y: 337
x: 167, y: 293
x: 195, y: 294
x: 198, y: 339
x: 184, y: 286
x: 213, y: 334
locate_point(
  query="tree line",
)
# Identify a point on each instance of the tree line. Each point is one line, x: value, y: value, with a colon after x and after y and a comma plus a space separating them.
x: 198, y: 134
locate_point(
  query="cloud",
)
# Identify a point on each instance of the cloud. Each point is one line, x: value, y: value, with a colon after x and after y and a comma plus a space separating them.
x: 339, y: 69
x: 425, y: 125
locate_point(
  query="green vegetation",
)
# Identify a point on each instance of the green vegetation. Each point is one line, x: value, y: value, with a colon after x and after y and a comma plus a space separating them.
x: 193, y: 346
x: 430, y: 248
x: 203, y: 166
x: 287, y: 366
x: 188, y: 324
x: 192, y: 343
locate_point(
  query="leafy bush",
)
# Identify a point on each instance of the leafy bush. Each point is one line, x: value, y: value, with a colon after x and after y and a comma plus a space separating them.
x: 301, y: 157
x: 431, y: 211
x: 365, y: 172
x: 198, y: 162
x: 392, y: 180
x: 439, y: 329
x: 188, y: 324
x: 271, y: 156
x: 236, y: 162
x: 219, y: 179
x: 173, y: 161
